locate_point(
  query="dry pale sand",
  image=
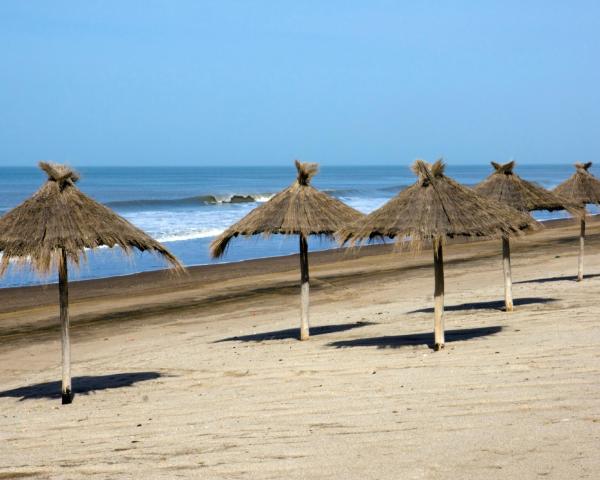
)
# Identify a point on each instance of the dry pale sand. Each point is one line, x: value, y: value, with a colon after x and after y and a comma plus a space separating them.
x: 204, y: 380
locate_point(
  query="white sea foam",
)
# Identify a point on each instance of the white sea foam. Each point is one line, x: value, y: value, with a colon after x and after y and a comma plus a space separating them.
x: 365, y: 204
x: 188, y: 224
x: 209, y: 232
x: 263, y: 198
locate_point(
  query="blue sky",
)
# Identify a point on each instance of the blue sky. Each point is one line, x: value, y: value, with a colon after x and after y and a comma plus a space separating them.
x: 262, y: 82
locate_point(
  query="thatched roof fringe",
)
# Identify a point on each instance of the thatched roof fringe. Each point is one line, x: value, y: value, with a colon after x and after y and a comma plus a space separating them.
x: 436, y: 207
x: 582, y: 187
x: 61, y: 217
x: 505, y: 186
x: 299, y: 209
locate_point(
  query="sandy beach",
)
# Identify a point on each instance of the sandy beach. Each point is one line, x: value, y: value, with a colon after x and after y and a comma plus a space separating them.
x: 202, y: 376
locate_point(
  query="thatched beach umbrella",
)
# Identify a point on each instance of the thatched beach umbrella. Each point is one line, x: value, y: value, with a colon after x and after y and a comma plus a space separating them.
x: 299, y: 210
x: 56, y: 225
x: 505, y: 186
x: 433, y: 209
x: 581, y: 188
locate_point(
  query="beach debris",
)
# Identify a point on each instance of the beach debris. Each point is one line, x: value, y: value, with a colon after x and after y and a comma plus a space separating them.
x: 504, y: 185
x: 57, y: 225
x: 432, y: 210
x: 581, y: 188
x: 299, y: 210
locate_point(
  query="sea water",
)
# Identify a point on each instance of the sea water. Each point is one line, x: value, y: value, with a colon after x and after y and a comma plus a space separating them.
x: 187, y: 207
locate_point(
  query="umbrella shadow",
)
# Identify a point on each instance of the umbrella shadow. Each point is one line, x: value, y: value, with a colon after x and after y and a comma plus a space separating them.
x: 571, y: 278
x: 294, y: 332
x: 493, y: 305
x: 398, y: 341
x: 81, y: 385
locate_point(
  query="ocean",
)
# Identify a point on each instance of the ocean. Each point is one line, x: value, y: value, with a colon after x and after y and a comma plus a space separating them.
x: 186, y: 207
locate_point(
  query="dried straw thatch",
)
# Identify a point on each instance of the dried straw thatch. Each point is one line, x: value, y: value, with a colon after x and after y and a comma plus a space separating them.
x: 581, y: 188
x: 434, y: 208
x: 56, y: 225
x: 300, y: 209
x: 61, y: 217
x: 505, y: 186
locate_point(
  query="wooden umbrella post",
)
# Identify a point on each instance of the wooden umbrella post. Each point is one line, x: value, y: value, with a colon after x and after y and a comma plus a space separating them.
x: 508, y: 297
x: 63, y: 289
x: 438, y: 262
x: 304, y: 289
x: 581, y: 246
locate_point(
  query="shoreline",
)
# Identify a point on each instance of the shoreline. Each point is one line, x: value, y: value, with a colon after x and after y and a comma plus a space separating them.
x: 53, y: 282
x: 353, y: 251
x: 132, y: 299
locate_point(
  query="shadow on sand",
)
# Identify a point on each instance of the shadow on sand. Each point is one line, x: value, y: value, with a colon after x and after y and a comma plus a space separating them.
x: 495, y: 305
x: 568, y: 278
x: 398, y: 341
x: 295, y: 332
x: 81, y: 385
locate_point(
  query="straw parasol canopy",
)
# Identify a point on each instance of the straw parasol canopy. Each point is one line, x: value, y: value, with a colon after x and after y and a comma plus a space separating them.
x: 433, y: 209
x: 56, y: 225
x: 300, y: 210
x: 505, y: 186
x: 581, y: 188
x: 60, y: 219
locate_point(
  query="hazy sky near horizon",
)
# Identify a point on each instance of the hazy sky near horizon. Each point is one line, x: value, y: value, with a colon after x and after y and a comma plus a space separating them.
x: 262, y: 82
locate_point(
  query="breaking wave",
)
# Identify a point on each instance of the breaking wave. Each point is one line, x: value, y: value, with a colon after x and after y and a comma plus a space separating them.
x: 189, y: 201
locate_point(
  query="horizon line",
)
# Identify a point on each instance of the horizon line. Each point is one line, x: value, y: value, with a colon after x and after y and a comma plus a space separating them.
x: 408, y: 165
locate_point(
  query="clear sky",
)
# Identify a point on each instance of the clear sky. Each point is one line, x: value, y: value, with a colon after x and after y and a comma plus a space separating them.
x: 261, y: 82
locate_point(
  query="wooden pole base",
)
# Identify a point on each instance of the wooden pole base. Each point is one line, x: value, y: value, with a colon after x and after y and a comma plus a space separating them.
x: 304, y: 325
x: 63, y: 288
x: 304, y: 290
x: 581, y: 249
x: 438, y: 325
x: 67, y: 397
x: 508, y: 297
